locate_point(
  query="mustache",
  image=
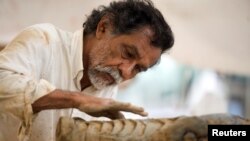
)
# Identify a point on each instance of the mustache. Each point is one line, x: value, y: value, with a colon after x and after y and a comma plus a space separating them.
x: 111, y: 71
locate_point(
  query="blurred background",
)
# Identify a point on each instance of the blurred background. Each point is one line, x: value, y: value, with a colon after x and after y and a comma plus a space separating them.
x: 206, y: 71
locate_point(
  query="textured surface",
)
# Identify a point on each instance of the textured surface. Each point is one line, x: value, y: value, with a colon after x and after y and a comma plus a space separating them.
x: 172, y: 129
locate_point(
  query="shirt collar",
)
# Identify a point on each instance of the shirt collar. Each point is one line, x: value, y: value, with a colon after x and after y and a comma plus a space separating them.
x: 77, y: 56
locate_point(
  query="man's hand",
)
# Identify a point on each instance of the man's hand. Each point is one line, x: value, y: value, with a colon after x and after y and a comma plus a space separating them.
x: 98, y: 107
x: 94, y: 106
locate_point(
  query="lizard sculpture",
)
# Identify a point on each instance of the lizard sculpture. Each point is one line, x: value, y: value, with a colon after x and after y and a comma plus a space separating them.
x: 165, y: 129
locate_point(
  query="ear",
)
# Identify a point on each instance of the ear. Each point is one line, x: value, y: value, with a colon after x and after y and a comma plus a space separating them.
x: 103, y: 28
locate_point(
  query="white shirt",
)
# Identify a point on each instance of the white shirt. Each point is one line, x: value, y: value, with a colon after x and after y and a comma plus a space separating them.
x: 39, y: 60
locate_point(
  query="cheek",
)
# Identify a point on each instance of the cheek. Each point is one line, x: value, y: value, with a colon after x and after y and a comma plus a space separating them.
x: 99, y: 57
x: 156, y: 54
x: 106, y: 53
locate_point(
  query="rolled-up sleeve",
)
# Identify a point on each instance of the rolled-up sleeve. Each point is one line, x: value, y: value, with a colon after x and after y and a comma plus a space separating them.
x: 21, y: 66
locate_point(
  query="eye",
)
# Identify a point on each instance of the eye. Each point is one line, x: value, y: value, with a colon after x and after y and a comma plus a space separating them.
x: 127, y: 54
x: 138, y: 68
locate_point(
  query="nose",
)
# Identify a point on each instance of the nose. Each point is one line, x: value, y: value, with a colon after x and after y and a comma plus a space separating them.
x: 127, y: 69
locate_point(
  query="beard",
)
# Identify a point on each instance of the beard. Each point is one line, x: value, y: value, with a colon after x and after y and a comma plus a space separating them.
x: 100, y: 82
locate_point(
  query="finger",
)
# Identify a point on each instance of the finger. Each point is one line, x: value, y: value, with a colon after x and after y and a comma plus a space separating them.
x: 128, y: 107
x: 120, y: 116
x: 114, y: 115
x: 122, y: 106
x: 144, y: 114
x: 138, y: 112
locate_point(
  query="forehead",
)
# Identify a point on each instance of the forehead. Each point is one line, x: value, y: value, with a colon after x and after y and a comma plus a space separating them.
x: 141, y: 41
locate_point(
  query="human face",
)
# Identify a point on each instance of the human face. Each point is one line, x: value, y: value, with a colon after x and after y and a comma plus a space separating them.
x: 116, y: 58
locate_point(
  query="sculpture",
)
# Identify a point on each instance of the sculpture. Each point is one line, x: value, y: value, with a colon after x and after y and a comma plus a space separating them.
x: 165, y: 129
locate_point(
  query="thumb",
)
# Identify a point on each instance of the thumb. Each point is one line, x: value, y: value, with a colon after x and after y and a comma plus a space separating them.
x: 116, y: 115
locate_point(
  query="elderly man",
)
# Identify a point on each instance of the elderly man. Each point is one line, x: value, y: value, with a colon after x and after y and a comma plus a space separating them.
x: 46, y: 72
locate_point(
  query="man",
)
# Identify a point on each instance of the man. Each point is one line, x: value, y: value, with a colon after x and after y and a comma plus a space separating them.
x: 46, y: 72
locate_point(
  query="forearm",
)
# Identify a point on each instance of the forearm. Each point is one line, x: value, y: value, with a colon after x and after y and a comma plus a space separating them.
x: 94, y: 106
x: 57, y: 99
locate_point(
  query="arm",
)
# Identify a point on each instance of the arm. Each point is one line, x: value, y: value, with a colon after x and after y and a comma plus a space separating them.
x: 22, y: 91
x: 20, y: 85
x: 59, y: 99
x: 20, y: 65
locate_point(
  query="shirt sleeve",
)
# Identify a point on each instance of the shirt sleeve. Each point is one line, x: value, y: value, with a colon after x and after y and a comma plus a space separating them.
x: 21, y: 65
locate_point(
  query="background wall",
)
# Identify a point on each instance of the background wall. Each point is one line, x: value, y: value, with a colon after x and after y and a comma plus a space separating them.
x: 209, y: 33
